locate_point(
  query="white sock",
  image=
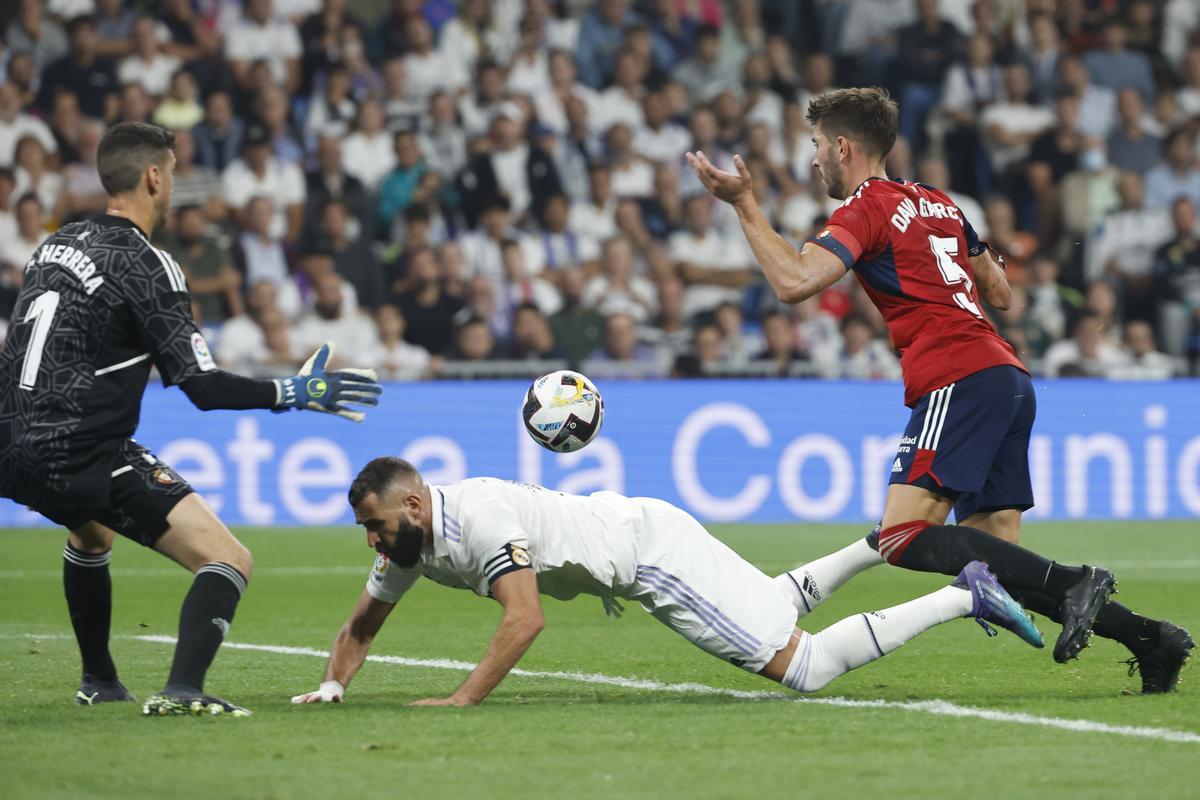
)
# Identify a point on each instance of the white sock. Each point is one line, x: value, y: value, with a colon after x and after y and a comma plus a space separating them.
x: 858, y: 640
x: 811, y: 584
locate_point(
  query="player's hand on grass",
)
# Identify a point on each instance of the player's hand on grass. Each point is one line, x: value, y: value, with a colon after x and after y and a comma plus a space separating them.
x: 730, y: 187
x: 330, y: 692
x: 330, y: 392
x: 442, y: 701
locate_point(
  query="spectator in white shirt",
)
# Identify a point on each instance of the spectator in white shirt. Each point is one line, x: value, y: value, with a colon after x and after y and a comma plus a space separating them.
x: 260, y: 251
x: 259, y: 36
x: 259, y: 173
x: 483, y: 256
x: 332, y: 109
x: 34, y: 175
x: 864, y: 357
x: 529, y: 70
x: 741, y: 345
x: 816, y: 332
x: 332, y: 319
x: 426, y: 69
x: 396, y: 359
x: 524, y: 287
x: 30, y: 233
x: 478, y: 108
x: 15, y: 125
x: 148, y: 65
x: 1188, y: 95
x: 1124, y: 242
x: 1009, y: 127
x: 715, y: 268
x: 661, y: 139
x: 369, y: 152
x: 400, y: 111
x: 632, y: 176
x: 1097, y: 105
x: 621, y: 103
x: 1087, y: 353
x: 597, y: 216
x: 1144, y: 362
x: 972, y: 84
x: 617, y: 290
x: 761, y: 104
x: 8, y: 197
x: 550, y: 103
x: 464, y: 36
x: 443, y: 141
x: 563, y: 248
x: 241, y: 344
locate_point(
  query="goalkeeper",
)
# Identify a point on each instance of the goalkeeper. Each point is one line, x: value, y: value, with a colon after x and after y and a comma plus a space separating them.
x: 99, y: 306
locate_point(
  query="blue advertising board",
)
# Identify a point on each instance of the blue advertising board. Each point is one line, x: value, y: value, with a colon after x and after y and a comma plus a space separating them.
x: 725, y: 450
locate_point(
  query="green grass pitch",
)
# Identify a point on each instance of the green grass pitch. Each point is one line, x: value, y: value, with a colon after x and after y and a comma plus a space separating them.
x: 541, y: 736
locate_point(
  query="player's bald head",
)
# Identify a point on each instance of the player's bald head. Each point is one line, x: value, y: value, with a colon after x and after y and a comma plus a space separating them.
x: 382, y: 476
x: 868, y: 117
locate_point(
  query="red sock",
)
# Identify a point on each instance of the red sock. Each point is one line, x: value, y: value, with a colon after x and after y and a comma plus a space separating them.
x: 894, y: 540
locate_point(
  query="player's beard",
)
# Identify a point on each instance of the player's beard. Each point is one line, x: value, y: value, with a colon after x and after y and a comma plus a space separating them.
x: 835, y: 179
x: 406, y: 552
x: 162, y: 205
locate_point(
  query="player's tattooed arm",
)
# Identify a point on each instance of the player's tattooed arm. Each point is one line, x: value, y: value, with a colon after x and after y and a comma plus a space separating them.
x: 991, y: 281
x: 350, y: 649
x: 793, y: 276
x: 517, y: 591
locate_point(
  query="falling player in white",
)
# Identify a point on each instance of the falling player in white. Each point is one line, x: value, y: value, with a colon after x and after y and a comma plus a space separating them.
x: 512, y: 541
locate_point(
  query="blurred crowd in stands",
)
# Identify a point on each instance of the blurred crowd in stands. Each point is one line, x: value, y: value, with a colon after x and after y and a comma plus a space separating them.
x: 494, y: 188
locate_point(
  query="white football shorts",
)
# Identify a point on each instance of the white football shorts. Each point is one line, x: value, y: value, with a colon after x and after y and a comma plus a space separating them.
x: 701, y: 589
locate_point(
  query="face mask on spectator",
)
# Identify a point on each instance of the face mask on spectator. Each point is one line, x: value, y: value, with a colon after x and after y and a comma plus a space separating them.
x: 1093, y: 160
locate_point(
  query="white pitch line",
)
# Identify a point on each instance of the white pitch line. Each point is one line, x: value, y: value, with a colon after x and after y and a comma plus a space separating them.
x: 941, y: 708
x: 160, y: 572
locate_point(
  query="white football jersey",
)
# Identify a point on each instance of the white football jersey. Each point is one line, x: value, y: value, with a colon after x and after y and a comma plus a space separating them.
x: 485, y: 527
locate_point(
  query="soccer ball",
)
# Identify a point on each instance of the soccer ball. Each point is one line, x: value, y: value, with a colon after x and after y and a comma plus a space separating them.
x: 563, y: 411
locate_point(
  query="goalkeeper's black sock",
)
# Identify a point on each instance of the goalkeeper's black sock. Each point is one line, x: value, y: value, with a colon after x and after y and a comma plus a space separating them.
x: 204, y: 620
x: 88, y: 587
x: 949, y: 548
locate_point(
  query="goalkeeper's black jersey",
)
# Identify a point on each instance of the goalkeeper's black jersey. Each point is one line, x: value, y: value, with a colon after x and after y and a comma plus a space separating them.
x: 99, y: 306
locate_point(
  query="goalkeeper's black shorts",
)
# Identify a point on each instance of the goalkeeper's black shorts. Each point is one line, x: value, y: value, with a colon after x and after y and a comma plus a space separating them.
x: 141, y: 492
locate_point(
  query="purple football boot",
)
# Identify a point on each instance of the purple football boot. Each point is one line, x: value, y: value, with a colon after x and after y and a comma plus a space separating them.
x: 991, y: 603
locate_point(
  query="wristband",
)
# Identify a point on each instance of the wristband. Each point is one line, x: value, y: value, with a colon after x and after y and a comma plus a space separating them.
x: 332, y: 688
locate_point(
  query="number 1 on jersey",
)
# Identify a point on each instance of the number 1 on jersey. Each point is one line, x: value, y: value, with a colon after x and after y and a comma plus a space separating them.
x: 944, y: 248
x: 41, y: 312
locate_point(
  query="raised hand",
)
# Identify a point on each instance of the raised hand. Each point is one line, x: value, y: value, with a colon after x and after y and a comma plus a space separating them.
x: 732, y: 188
x: 329, y: 392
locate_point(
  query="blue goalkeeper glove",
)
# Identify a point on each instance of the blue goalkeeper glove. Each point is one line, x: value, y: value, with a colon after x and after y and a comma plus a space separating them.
x: 330, y: 392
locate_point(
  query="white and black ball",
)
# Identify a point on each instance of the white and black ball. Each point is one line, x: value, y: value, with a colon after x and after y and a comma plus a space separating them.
x: 563, y: 411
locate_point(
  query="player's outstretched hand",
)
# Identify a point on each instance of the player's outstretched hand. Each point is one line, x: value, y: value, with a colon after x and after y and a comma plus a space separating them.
x: 330, y: 392
x: 330, y: 692
x: 727, y: 186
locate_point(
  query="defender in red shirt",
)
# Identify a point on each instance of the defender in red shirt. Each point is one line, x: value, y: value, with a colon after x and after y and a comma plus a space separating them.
x: 973, y: 404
